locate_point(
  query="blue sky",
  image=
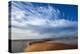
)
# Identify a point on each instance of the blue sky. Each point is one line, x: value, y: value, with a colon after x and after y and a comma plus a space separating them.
x: 42, y: 20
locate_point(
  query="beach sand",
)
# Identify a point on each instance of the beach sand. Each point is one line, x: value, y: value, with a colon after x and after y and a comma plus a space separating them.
x: 46, y: 46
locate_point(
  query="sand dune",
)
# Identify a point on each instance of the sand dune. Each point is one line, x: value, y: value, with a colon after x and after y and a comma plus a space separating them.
x: 45, y: 46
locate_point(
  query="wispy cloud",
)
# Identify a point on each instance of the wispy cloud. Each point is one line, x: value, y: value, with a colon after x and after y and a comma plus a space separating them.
x: 33, y: 21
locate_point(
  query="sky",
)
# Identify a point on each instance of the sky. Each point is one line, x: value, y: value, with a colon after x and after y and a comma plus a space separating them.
x: 30, y: 20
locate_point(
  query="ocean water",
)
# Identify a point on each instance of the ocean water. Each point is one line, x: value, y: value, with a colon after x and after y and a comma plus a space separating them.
x: 18, y: 45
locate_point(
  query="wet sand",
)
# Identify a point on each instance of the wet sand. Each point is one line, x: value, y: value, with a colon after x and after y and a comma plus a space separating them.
x: 46, y: 46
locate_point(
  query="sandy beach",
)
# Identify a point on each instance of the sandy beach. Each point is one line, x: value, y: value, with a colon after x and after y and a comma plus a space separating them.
x: 45, y: 46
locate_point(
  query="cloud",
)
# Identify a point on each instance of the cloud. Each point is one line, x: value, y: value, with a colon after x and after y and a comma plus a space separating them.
x: 36, y: 34
x: 31, y: 21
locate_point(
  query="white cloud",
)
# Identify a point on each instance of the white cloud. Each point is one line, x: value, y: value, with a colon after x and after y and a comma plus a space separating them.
x: 18, y: 34
x: 27, y: 34
x: 62, y: 23
x: 43, y: 17
x: 36, y: 18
